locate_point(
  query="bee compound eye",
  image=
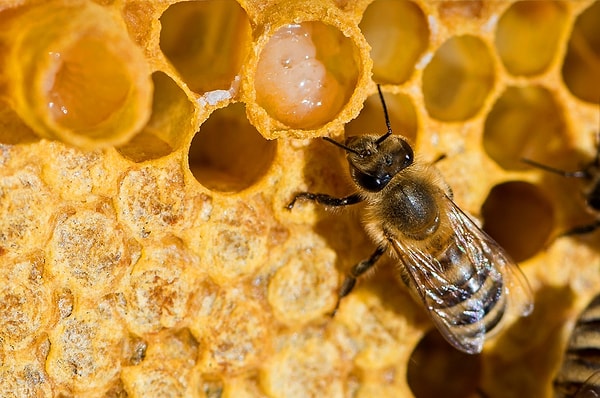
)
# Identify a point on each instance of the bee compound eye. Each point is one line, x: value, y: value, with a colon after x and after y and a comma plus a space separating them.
x: 408, y: 153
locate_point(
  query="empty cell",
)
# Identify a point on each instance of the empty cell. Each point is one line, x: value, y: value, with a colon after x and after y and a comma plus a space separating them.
x: 525, y: 122
x: 458, y: 79
x: 306, y: 74
x: 10, y: 124
x: 169, y: 124
x: 206, y: 41
x: 581, y: 68
x: 436, y: 369
x: 528, y: 36
x: 145, y: 146
x: 228, y: 154
x: 520, y: 217
x: 398, y: 33
x: 74, y: 80
x: 76, y: 75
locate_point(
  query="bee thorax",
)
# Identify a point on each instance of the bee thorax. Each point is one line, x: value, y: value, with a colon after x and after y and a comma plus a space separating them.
x: 413, y: 209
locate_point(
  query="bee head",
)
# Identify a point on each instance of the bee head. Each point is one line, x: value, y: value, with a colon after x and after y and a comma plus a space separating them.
x: 374, y: 161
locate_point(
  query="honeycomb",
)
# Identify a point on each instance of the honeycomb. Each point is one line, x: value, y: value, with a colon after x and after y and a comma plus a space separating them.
x: 148, y: 148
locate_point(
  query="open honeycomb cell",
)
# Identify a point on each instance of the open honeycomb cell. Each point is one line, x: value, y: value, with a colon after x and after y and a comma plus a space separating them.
x: 528, y: 27
x: 148, y: 151
x: 59, y: 58
x: 525, y: 122
x: 458, y: 79
x: 304, y: 82
x: 169, y: 123
x: 519, y: 217
x: 206, y: 41
x: 228, y: 154
x: 398, y: 33
x: 433, y: 357
x: 401, y: 112
x: 580, y: 67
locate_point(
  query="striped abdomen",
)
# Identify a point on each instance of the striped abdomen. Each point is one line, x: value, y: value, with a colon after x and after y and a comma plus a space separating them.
x: 582, y: 357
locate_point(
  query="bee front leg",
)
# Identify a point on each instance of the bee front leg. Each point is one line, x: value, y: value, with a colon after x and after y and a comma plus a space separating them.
x: 582, y: 229
x: 355, y: 272
x: 325, y: 199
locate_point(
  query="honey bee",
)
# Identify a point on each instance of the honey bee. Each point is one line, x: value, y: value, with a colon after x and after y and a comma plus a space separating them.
x: 590, y: 388
x: 465, y: 280
x: 591, y: 175
x: 579, y: 375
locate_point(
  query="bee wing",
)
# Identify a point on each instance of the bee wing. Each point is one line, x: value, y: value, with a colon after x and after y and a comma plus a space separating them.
x: 464, y: 287
x: 591, y: 387
x: 479, y: 243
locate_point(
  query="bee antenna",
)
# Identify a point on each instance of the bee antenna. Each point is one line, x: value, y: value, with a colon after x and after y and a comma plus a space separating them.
x: 387, y: 119
x: 344, y: 147
x: 575, y: 174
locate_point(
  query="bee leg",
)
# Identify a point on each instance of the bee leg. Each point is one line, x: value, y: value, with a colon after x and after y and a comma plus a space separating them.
x: 440, y: 157
x: 583, y: 229
x: 325, y: 199
x: 355, y: 272
x: 564, y: 173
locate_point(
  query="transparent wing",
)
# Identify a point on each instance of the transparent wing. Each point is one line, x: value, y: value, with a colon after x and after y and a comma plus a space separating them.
x: 591, y: 387
x: 466, y: 281
x: 484, y: 249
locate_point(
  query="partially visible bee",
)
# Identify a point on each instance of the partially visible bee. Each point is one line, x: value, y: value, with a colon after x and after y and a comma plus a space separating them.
x: 591, y: 175
x: 465, y: 280
x: 579, y: 375
x: 591, y: 387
